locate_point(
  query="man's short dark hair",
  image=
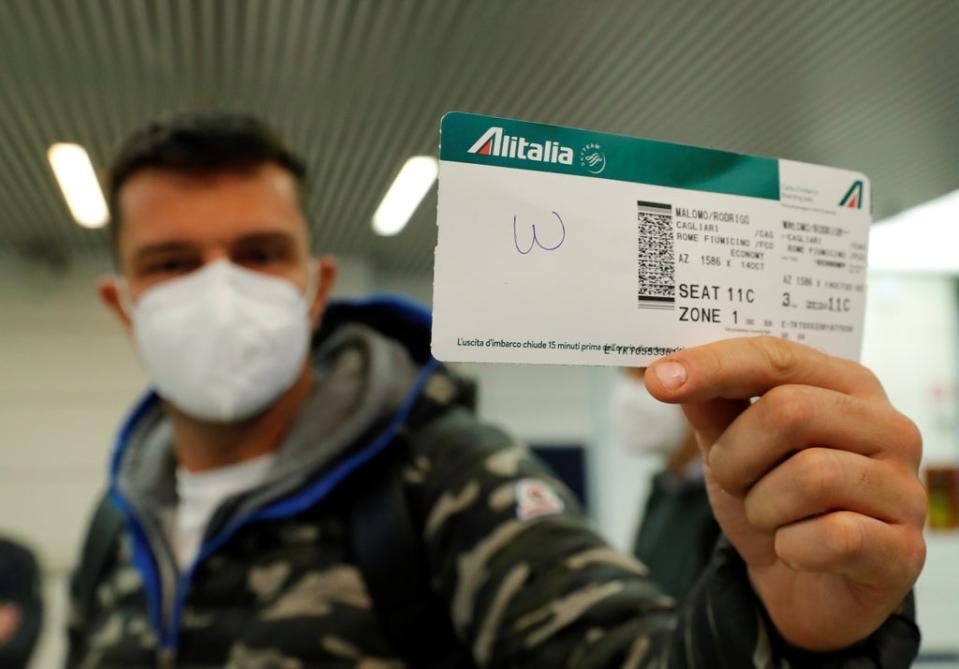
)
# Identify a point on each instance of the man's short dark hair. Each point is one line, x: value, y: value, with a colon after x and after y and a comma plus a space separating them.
x: 201, y: 144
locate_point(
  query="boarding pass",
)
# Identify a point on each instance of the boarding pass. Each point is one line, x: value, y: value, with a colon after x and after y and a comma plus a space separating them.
x: 566, y: 246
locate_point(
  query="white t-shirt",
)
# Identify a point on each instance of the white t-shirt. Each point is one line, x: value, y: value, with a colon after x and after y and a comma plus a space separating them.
x: 200, y: 494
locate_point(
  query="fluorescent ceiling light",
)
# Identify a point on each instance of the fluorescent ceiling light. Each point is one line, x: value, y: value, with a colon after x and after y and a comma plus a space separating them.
x: 79, y: 184
x: 921, y: 239
x: 408, y: 190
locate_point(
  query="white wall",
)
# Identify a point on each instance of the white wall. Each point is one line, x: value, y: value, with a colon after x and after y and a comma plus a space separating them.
x: 68, y: 375
x: 912, y: 343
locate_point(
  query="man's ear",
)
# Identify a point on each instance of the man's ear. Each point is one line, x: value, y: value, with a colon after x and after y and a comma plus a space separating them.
x: 109, y: 289
x: 325, y: 278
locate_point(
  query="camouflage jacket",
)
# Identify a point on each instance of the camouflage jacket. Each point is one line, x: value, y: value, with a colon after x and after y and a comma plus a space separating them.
x: 525, y: 579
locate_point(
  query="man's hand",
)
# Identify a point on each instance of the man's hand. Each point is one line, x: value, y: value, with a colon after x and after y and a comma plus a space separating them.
x: 815, y: 483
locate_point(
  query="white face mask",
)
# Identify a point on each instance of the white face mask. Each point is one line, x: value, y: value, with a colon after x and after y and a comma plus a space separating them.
x: 223, y: 342
x: 643, y: 424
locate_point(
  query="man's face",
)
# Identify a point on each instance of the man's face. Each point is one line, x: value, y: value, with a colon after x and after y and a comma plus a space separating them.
x: 174, y: 223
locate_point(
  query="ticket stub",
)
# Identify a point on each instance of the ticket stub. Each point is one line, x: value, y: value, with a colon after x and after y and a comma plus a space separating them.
x: 565, y: 246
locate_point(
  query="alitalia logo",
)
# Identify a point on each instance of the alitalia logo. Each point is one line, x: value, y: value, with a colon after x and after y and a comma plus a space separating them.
x: 495, y: 142
x: 853, y: 197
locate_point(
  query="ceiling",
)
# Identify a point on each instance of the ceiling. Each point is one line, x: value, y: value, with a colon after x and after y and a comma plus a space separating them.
x: 360, y: 85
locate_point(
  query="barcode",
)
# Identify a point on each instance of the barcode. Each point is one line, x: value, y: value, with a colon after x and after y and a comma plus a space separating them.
x: 657, y: 264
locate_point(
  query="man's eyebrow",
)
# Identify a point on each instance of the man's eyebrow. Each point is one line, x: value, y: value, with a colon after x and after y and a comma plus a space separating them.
x: 163, y: 247
x: 263, y: 237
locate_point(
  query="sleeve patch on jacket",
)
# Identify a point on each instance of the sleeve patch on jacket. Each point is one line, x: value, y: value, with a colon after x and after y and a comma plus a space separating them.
x: 536, y: 498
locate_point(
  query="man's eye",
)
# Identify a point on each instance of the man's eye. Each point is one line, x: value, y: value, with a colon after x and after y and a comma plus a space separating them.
x: 258, y: 257
x: 170, y: 266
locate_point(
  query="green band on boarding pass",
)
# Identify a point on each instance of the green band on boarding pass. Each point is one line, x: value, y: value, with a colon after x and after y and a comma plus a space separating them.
x: 488, y: 140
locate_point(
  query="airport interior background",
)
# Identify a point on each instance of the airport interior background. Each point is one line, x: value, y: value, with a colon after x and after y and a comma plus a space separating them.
x: 358, y: 87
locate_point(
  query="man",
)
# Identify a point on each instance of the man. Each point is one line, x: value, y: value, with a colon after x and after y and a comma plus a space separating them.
x: 678, y: 532
x: 240, y: 483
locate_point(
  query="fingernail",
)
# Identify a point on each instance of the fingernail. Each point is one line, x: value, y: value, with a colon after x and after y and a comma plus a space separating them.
x: 670, y: 374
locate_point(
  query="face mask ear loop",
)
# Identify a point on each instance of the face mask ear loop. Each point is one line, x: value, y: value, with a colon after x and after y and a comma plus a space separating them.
x: 123, y: 296
x: 312, y: 283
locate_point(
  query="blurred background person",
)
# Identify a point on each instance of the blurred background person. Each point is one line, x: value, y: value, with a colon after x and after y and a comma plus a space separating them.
x: 21, y: 607
x: 677, y: 530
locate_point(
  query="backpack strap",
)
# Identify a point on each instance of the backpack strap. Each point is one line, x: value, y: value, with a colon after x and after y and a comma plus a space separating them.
x: 98, y: 550
x: 392, y: 559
